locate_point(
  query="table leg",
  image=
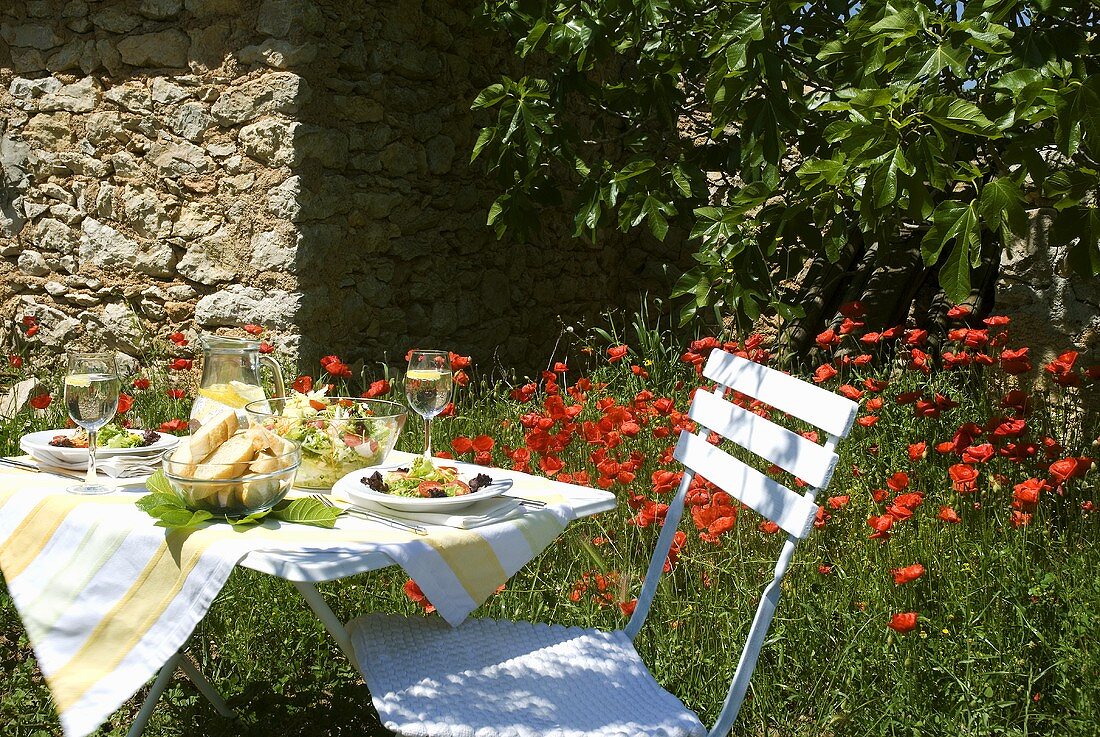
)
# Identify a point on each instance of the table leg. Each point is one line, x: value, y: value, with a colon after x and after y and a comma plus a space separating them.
x: 159, y: 685
x: 206, y: 688
x: 331, y: 622
x: 182, y: 661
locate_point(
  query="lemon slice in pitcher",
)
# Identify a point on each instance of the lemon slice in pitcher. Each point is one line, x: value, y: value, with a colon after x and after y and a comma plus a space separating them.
x: 235, y: 394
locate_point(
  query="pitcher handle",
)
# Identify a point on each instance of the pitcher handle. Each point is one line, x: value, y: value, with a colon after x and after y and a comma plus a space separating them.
x: 276, y: 369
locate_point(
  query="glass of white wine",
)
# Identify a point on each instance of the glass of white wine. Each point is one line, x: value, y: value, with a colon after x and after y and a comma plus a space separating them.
x: 428, y: 387
x: 91, y: 397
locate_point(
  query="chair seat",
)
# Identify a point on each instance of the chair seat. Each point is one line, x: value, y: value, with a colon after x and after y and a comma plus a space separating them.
x: 491, y: 678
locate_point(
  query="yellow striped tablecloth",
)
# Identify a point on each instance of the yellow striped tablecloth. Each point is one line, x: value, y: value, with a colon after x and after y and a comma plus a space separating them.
x: 107, y: 597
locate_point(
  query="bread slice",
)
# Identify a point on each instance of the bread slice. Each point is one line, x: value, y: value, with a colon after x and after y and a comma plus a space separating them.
x: 229, y: 460
x: 204, y: 439
x: 265, y: 440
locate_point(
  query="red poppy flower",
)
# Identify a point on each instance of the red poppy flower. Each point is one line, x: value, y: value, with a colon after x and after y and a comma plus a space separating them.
x: 836, y: 502
x: 1020, y: 519
x: 978, y: 453
x: 952, y: 361
x: 461, y: 378
x: 416, y: 595
x: 266, y: 347
x: 173, y: 425
x: 377, y: 389
x: 303, y: 384
x: 958, y: 311
x: 448, y: 411
x: 125, y: 402
x: 176, y: 393
x: 1015, y: 361
x: 850, y: 392
x: 1018, y: 400
x: 853, y: 309
x: 917, y: 451
x: 616, y: 352
x: 964, y: 478
x: 29, y: 320
x: 338, y: 368
x: 253, y: 329
x: 1061, y: 369
x: 483, y: 443
x: 32, y: 331
x: 868, y: 420
x: 898, y: 481
x: 1007, y: 428
x: 908, y: 397
x: 904, y: 622
x: 15, y: 361
x: 141, y: 383
x: 874, y: 385
x: 824, y: 372
x: 180, y: 364
x: 178, y: 338
x: 1026, y: 494
x: 768, y: 527
x: 997, y: 321
x: 907, y: 574
x: 947, y: 514
x: 849, y: 326
x: 881, y: 525
x: 463, y: 444
x: 41, y: 401
x: 827, y: 339
x: 1069, y: 468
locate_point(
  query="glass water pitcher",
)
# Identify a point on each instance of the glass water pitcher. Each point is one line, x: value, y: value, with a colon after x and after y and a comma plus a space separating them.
x: 231, y: 376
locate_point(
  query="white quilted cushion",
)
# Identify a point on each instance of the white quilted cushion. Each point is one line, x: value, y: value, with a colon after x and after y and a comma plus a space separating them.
x: 489, y: 678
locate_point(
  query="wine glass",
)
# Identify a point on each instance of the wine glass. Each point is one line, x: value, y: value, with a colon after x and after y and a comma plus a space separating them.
x: 428, y: 387
x: 91, y: 397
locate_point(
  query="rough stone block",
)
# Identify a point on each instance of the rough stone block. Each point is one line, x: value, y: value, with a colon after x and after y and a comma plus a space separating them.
x: 239, y: 305
x: 162, y: 49
x: 277, y: 92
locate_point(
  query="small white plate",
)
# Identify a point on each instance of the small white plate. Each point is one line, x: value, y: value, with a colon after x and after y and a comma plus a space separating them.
x: 352, y: 488
x: 38, y: 445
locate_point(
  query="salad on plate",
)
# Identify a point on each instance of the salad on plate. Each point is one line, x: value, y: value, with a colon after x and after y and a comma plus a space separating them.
x: 109, y: 436
x: 423, y: 479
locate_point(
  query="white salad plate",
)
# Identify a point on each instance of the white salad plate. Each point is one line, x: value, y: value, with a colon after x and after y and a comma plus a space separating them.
x: 352, y: 488
x: 38, y: 445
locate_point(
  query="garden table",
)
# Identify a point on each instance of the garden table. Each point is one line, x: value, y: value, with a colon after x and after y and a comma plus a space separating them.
x: 99, y: 586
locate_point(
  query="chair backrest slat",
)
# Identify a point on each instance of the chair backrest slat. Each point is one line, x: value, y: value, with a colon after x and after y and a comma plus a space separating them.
x: 790, y: 451
x: 793, y: 512
x: 832, y: 413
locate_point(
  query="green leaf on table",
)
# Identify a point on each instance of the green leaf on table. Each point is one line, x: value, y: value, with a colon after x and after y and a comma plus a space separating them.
x: 158, y: 484
x: 168, y: 510
x: 306, y: 512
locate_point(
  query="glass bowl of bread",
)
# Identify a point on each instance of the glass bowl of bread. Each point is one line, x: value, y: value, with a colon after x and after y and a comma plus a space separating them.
x: 337, y: 435
x: 231, y: 471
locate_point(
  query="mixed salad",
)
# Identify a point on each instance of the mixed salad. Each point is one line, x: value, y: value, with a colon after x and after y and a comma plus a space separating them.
x: 424, y: 479
x: 109, y: 436
x: 337, y: 436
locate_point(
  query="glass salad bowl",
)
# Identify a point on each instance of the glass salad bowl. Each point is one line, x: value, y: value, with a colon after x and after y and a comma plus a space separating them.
x: 338, y: 435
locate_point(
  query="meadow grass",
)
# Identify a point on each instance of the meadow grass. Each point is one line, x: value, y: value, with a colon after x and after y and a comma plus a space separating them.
x: 1005, y: 643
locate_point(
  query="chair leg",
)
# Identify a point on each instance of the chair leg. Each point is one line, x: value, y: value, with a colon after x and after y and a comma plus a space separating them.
x: 331, y: 622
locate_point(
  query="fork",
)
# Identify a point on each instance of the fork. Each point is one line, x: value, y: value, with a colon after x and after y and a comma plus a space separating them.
x: 373, y: 516
x: 533, y: 503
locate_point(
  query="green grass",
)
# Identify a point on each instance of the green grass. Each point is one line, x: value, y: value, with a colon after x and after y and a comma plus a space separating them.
x: 1005, y: 644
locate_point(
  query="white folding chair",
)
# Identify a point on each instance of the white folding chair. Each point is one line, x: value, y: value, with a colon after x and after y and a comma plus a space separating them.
x: 491, y: 678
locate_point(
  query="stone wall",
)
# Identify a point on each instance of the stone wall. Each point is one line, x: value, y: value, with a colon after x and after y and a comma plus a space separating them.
x: 302, y: 164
